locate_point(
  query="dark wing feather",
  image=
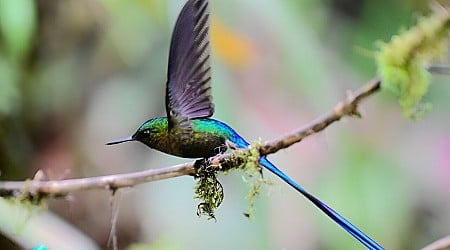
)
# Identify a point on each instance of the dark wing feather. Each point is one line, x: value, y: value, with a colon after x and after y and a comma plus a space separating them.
x: 188, y: 90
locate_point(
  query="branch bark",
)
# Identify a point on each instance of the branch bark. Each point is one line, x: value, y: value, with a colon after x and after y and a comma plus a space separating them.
x: 37, y: 189
x: 440, y: 244
x: 347, y: 107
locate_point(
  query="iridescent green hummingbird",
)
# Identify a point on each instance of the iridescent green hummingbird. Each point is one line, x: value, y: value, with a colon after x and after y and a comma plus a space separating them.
x: 188, y: 131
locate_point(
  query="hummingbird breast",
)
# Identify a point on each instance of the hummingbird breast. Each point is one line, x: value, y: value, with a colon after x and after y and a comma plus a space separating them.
x: 202, y: 138
x: 192, y: 144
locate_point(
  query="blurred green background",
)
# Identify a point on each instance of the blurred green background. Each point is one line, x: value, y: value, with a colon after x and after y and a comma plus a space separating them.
x: 75, y: 74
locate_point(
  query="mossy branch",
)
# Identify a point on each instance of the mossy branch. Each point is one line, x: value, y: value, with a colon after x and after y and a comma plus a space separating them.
x: 37, y: 189
x: 402, y: 61
x: 402, y: 67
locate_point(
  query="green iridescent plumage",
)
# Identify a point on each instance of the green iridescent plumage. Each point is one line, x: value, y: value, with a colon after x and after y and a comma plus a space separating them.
x: 187, y: 131
x: 202, y: 138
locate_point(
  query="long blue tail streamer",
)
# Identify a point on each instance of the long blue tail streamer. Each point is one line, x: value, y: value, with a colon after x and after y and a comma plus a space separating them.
x: 341, y: 221
x: 349, y: 227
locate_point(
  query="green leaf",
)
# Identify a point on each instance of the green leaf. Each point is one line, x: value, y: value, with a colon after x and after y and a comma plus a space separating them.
x: 9, y: 91
x: 17, y: 26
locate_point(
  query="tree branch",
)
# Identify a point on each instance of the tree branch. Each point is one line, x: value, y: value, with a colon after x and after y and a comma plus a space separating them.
x: 37, y: 189
x: 343, y: 108
x: 440, y: 244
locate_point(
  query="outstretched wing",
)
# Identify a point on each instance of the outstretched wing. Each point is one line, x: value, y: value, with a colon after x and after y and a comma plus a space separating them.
x: 188, y: 90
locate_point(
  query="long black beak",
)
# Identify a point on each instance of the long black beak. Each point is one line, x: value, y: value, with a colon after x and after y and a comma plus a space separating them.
x: 129, y: 138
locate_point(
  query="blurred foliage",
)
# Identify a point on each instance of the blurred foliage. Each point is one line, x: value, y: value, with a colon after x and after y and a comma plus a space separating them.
x: 17, y: 29
x: 161, y: 244
x: 402, y: 61
x: 231, y: 47
x: 368, y: 174
x: 77, y: 73
x: 18, y: 24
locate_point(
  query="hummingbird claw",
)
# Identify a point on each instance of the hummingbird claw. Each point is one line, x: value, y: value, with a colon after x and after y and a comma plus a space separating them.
x: 231, y: 145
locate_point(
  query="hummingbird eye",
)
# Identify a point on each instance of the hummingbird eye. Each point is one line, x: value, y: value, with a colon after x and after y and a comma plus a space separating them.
x: 146, y: 132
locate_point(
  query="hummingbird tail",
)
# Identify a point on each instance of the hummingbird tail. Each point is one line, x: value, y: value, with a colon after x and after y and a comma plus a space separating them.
x: 341, y: 221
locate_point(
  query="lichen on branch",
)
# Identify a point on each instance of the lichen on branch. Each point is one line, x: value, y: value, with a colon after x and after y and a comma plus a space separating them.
x: 401, y: 61
x: 210, y: 191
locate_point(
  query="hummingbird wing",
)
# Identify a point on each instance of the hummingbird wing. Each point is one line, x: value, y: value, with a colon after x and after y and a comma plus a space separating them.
x: 188, y: 89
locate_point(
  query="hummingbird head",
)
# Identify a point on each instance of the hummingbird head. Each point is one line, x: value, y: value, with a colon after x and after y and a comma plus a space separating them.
x: 147, y: 133
x: 141, y: 135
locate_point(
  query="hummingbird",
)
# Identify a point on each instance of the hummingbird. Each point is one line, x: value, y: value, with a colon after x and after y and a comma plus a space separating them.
x: 188, y: 130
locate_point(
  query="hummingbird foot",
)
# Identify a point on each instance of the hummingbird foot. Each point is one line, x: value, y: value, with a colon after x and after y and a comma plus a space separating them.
x: 201, y: 164
x: 231, y: 145
x: 204, y: 167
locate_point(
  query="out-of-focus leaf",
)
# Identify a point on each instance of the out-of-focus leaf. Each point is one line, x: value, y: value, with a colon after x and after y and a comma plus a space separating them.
x: 132, y: 44
x: 154, y: 9
x: 55, y: 88
x: 9, y: 92
x: 162, y: 244
x: 17, y: 26
x: 367, y: 189
x: 230, y: 46
x: 30, y: 225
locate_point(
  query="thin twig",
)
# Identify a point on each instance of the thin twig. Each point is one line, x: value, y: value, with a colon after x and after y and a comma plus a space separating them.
x: 37, y: 189
x: 440, y: 244
x: 440, y: 69
x: 343, y: 108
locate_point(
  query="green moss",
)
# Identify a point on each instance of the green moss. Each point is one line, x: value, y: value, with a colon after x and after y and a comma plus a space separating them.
x: 253, y: 176
x: 401, y: 61
x: 24, y: 209
x: 209, y: 190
